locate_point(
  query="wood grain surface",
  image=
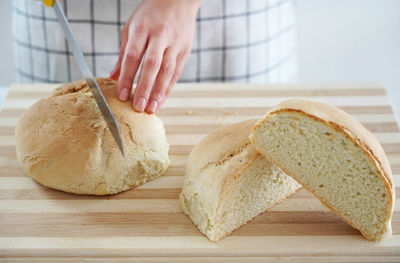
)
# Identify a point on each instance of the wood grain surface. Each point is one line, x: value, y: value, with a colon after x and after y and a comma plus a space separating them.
x: 146, y: 224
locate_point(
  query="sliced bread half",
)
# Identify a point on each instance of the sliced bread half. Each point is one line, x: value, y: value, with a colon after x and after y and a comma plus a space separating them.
x: 227, y: 182
x: 331, y: 154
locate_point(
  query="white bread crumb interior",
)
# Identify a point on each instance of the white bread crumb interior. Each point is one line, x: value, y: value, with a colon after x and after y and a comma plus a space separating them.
x: 333, y: 156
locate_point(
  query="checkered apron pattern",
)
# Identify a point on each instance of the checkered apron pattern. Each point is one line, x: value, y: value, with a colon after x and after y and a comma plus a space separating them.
x: 235, y: 40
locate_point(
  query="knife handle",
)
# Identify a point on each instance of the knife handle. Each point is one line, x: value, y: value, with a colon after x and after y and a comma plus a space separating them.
x: 48, y: 2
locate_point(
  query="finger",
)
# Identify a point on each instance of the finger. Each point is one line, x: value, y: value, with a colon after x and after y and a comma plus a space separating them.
x: 164, y: 77
x: 114, y: 74
x: 180, y: 63
x: 133, y: 54
x: 151, y: 66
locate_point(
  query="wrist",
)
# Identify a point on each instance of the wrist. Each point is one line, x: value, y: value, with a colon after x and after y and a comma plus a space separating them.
x: 197, y: 3
x: 194, y: 4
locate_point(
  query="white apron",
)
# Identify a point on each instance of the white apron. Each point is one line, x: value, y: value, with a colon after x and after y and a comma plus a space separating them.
x: 235, y: 40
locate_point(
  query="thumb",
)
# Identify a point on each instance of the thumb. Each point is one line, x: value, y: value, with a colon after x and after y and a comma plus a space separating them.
x: 114, y: 74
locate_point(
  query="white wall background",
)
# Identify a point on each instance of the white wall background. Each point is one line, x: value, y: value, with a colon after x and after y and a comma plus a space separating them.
x: 350, y: 41
x: 338, y: 41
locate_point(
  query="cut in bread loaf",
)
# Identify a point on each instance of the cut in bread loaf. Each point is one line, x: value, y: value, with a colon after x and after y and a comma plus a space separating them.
x: 335, y: 157
x: 64, y: 143
x: 228, y: 183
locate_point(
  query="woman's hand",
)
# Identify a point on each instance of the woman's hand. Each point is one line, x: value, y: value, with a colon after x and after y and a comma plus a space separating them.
x: 160, y: 33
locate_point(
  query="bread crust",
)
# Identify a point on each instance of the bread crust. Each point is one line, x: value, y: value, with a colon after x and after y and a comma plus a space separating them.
x: 220, y: 148
x: 216, y: 149
x: 64, y: 143
x: 342, y: 122
x: 218, y: 145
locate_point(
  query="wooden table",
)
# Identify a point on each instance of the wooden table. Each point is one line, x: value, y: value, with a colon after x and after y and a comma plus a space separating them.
x: 146, y: 224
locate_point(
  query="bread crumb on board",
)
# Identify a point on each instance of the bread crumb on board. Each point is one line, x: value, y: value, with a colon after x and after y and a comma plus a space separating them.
x: 228, y: 113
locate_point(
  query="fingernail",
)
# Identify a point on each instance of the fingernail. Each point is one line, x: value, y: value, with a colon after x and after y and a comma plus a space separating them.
x: 140, y: 104
x: 124, y: 95
x: 152, y: 107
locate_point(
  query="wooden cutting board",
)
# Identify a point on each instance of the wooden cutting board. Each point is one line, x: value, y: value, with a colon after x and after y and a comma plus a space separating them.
x: 146, y: 224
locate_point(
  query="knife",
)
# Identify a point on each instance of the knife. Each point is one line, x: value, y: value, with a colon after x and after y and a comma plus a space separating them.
x: 87, y: 74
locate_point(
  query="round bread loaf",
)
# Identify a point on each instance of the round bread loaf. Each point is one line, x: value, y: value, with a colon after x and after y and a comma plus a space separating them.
x: 64, y: 143
x: 227, y: 182
x: 335, y: 157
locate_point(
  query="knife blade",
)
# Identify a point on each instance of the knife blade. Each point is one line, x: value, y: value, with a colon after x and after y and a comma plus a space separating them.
x: 88, y: 76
